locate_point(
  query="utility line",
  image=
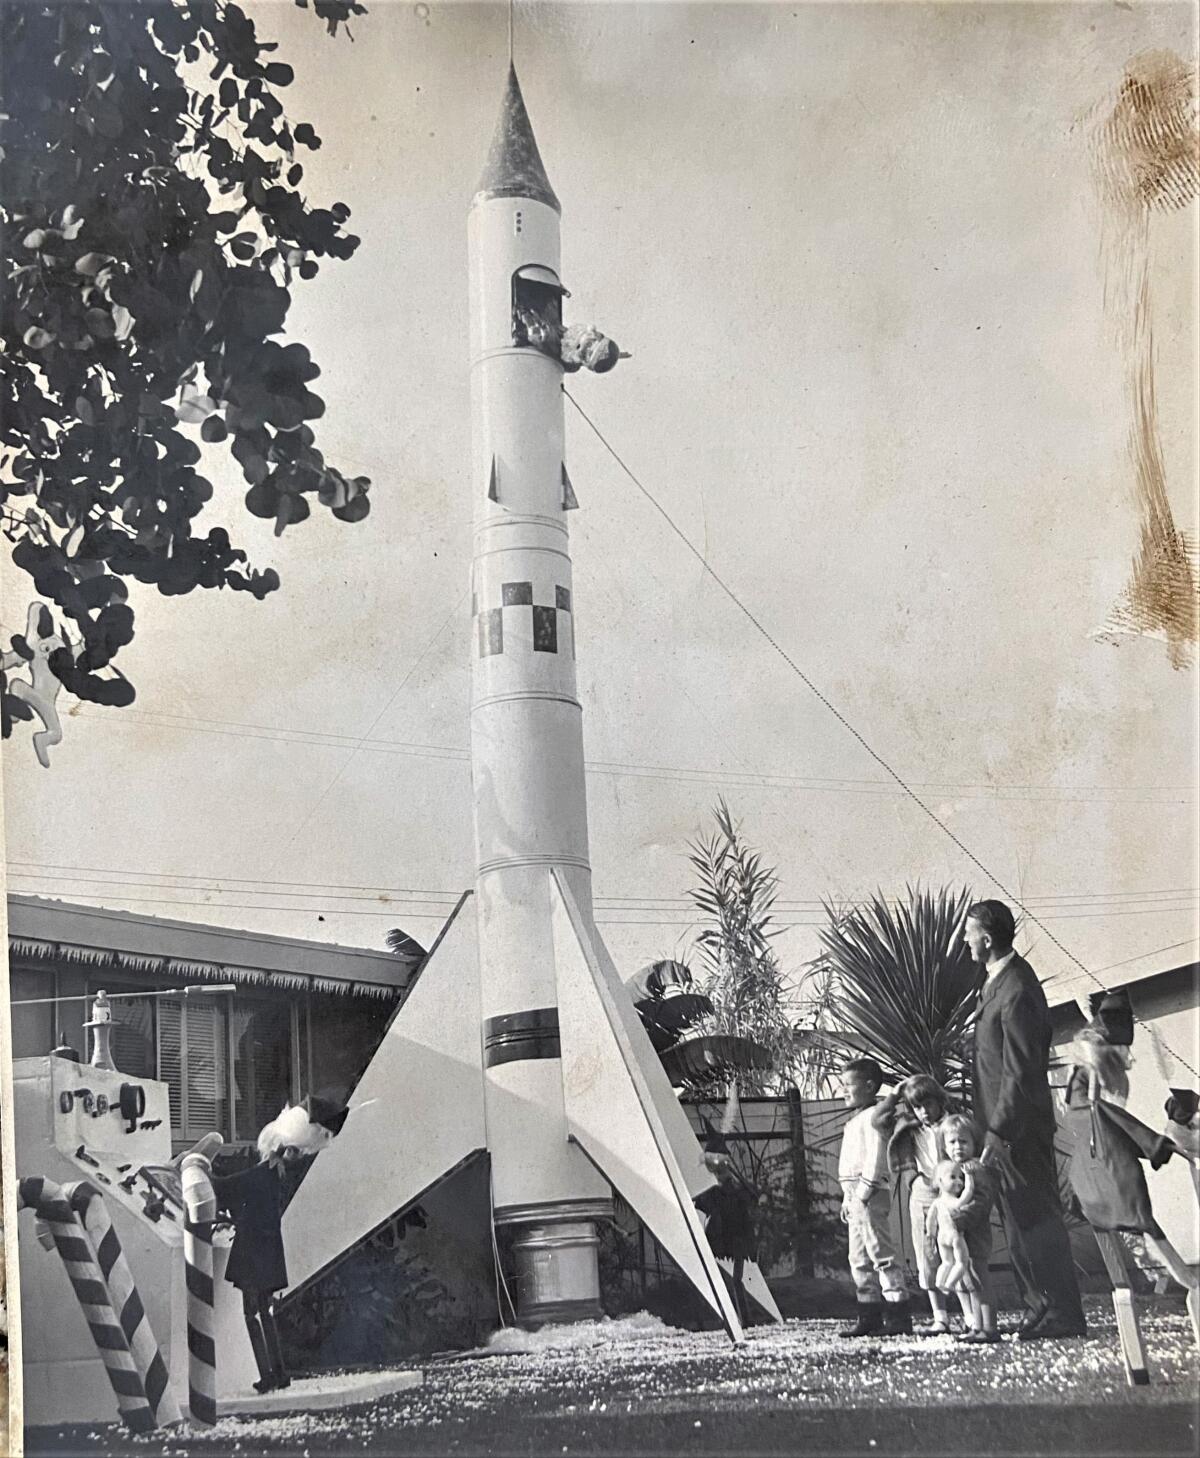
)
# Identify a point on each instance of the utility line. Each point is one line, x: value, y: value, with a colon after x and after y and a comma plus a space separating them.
x: 239, y: 884
x: 677, y: 906
x: 402, y: 899
x: 848, y: 726
x: 349, y: 760
x: 830, y: 784
x: 615, y: 915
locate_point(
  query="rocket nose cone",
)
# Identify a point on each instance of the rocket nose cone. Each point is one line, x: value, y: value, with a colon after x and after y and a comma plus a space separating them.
x: 514, y: 165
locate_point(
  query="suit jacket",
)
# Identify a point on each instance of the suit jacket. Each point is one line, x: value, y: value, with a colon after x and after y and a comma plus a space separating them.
x: 1012, y: 1054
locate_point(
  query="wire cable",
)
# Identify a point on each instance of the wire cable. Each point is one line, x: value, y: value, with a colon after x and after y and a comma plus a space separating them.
x: 927, y: 810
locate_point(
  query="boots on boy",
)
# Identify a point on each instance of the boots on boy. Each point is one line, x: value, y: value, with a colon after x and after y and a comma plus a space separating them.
x: 869, y: 1323
x: 258, y: 1345
x: 279, y: 1372
x: 897, y: 1318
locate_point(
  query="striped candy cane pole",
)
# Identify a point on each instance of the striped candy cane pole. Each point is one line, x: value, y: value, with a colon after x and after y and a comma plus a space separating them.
x: 52, y: 1208
x: 89, y: 1204
x: 201, y: 1206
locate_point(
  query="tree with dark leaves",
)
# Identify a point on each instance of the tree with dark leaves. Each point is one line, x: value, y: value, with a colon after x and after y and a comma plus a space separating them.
x: 153, y: 226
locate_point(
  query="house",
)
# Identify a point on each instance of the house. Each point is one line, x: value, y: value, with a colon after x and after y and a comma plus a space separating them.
x: 305, y: 1017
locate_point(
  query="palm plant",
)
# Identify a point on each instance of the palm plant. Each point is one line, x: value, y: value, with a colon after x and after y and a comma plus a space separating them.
x: 819, y: 1049
x: 407, y: 948
x: 744, y: 979
x: 904, y: 985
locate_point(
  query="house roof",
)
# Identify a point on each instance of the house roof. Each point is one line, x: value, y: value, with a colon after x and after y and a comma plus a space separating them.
x: 42, y: 929
x: 1066, y: 988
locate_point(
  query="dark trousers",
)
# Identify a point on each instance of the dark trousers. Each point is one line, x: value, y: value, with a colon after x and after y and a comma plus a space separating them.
x: 259, y: 1315
x: 1037, y: 1238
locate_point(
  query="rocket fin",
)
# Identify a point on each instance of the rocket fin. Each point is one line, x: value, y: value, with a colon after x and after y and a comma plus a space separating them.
x: 612, y: 1112
x: 569, y: 501
x: 755, y: 1286
x: 493, y: 483
x: 416, y: 1113
x: 689, y: 1154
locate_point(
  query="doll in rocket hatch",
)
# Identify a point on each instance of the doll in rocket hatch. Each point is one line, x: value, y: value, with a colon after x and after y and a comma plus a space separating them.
x: 1108, y: 1144
x: 255, y: 1199
x: 577, y: 346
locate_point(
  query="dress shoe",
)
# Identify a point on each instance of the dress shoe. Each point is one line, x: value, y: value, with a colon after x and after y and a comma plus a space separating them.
x: 897, y: 1318
x: 869, y: 1323
x: 1053, y: 1328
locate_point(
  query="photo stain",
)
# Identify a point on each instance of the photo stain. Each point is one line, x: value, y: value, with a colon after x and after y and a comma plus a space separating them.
x: 1145, y: 151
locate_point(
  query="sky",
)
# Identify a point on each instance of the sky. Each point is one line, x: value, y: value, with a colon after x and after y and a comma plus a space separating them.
x: 854, y: 251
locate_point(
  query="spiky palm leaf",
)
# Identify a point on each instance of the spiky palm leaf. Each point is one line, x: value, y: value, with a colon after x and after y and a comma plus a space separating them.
x: 736, y: 892
x: 906, y: 987
x: 407, y: 948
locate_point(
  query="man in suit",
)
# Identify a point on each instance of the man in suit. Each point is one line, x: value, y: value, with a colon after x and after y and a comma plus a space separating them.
x: 1014, y: 1105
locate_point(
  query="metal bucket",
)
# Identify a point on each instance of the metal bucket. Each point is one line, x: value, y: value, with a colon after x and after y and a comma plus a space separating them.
x: 558, y: 1274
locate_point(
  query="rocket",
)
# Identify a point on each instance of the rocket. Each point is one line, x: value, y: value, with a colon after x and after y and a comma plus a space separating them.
x: 527, y: 765
x: 519, y: 1042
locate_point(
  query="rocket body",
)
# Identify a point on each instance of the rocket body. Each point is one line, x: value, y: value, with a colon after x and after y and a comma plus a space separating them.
x: 478, y: 1043
x: 526, y: 721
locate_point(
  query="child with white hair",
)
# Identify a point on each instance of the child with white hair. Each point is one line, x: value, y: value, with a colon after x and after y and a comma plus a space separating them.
x: 971, y: 1217
x: 255, y: 1200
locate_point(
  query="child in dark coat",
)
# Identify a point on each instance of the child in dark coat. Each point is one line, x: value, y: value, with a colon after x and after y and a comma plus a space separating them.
x: 729, y: 1206
x: 255, y: 1199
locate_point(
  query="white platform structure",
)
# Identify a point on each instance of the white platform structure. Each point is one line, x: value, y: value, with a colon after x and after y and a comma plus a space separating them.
x: 68, y: 1127
x: 519, y: 1038
x: 322, y: 1394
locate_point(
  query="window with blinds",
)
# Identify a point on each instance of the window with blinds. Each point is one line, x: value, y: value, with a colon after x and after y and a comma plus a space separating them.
x: 33, y: 1030
x: 193, y: 1060
x: 265, y: 1040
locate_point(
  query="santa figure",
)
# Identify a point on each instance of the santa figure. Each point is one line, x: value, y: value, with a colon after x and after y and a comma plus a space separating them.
x: 1108, y: 1144
x: 254, y: 1200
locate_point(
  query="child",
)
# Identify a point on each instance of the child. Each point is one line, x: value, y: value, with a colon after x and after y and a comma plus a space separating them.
x: 866, y: 1205
x: 972, y: 1216
x: 910, y: 1119
x: 729, y: 1206
x: 255, y: 1200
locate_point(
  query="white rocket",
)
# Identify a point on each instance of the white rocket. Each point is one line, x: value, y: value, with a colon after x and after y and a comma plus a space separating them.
x: 519, y: 1039
x: 526, y: 720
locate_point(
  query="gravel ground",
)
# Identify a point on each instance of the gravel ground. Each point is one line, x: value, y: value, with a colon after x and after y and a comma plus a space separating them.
x: 637, y: 1387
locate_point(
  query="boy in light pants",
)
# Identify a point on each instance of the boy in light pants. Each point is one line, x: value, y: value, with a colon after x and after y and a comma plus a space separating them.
x: 883, y: 1307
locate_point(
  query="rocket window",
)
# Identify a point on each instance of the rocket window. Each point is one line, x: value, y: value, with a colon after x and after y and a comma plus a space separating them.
x: 545, y: 629
x: 537, y: 297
